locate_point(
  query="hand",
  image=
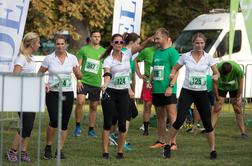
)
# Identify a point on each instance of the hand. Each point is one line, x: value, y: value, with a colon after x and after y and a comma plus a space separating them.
x: 131, y: 94
x: 47, y: 88
x: 79, y: 86
x: 168, y: 91
x: 215, y: 77
x: 217, y: 97
x: 143, y: 77
x: 148, y: 85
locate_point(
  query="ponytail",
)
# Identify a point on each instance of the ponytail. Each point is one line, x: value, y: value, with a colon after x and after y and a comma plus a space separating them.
x: 107, y: 52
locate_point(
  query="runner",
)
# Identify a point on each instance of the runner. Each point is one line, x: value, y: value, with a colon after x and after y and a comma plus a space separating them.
x: 164, y: 90
x: 197, y: 63
x: 24, y: 63
x: 91, y: 67
x: 146, y: 56
x: 63, y: 64
x: 231, y: 81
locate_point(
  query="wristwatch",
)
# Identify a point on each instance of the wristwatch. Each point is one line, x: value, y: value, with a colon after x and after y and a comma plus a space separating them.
x: 171, y: 85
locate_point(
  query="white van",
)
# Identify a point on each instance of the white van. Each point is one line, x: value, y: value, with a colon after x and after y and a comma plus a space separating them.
x: 215, y: 26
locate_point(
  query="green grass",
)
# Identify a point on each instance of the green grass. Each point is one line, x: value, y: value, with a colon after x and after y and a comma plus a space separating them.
x: 193, y: 149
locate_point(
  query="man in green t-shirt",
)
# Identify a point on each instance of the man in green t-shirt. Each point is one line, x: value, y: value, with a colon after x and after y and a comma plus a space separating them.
x: 164, y: 90
x: 146, y: 56
x: 91, y: 67
x: 231, y: 80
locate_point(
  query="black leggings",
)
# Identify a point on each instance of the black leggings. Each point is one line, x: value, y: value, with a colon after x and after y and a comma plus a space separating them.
x: 115, y: 104
x: 52, y: 100
x: 201, y: 100
x: 27, y: 123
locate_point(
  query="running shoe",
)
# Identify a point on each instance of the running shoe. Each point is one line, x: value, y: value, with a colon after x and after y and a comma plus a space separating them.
x: 142, y: 127
x: 25, y: 157
x: 213, y: 155
x: 113, y: 139
x: 105, y: 156
x: 244, y: 136
x: 127, y: 146
x: 119, y: 156
x: 92, y: 133
x: 11, y: 156
x: 62, y: 156
x: 48, y: 153
x: 174, y: 146
x: 157, y: 144
x: 167, y: 151
x: 77, y: 131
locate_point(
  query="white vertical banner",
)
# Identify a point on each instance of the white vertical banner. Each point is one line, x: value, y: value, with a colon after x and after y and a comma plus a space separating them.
x: 127, y: 16
x: 12, y: 22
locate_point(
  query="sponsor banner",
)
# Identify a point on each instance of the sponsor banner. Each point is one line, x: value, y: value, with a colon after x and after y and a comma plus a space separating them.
x: 12, y: 22
x: 127, y: 16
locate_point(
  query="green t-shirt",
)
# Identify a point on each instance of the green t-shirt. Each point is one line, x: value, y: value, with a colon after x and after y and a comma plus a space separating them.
x: 163, y: 61
x: 209, y: 83
x: 146, y: 55
x: 230, y: 82
x: 91, y: 67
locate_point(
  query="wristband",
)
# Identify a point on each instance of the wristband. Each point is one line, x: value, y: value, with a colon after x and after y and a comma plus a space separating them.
x: 171, y: 85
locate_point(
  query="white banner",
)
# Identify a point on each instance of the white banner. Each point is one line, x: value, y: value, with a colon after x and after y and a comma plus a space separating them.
x: 12, y: 22
x: 127, y: 16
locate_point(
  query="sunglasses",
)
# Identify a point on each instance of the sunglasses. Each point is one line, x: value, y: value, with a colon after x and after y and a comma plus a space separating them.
x: 118, y: 42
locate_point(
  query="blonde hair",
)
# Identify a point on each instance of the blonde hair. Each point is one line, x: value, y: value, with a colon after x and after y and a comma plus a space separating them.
x: 28, y: 40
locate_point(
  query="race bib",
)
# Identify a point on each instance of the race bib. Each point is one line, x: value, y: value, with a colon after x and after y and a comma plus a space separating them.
x: 66, y: 82
x: 158, y: 73
x: 121, y: 80
x: 197, y: 81
x: 92, y: 66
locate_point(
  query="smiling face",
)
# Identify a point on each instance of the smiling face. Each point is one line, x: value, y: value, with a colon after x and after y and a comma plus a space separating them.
x: 199, y: 44
x: 60, y: 45
x: 35, y: 45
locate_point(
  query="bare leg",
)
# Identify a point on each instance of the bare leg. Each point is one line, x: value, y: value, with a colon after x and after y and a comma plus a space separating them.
x: 216, y: 111
x: 211, y: 140
x: 237, y: 106
x: 50, y: 135
x: 105, y: 140
x: 161, y: 122
x: 80, y: 102
x: 63, y: 138
x: 92, y: 113
x: 121, y: 141
x: 147, y: 111
x: 172, y: 114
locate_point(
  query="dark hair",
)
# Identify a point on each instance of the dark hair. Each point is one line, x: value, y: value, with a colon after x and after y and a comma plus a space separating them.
x: 94, y: 31
x: 163, y: 31
x: 59, y: 36
x: 226, y: 68
x: 110, y: 47
x: 200, y: 35
x: 88, y: 40
x: 128, y: 37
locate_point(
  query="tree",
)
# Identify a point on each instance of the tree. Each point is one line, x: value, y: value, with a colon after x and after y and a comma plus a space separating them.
x: 50, y: 16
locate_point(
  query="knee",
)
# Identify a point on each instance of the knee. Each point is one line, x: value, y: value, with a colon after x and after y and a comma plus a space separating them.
x: 107, y: 127
x: 93, y: 107
x: 80, y: 102
x: 53, y: 124
x: 209, y: 129
x: 122, y: 128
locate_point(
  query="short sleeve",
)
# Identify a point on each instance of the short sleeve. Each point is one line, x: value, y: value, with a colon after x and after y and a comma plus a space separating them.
x: 45, y: 63
x: 20, y: 60
x: 211, y: 60
x: 80, y: 53
x: 174, y: 57
x: 107, y: 62
x: 181, y: 60
x: 140, y: 56
x: 75, y: 61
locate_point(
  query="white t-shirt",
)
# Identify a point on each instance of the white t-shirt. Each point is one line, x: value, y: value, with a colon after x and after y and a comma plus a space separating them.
x: 27, y: 67
x: 196, y: 73
x: 64, y: 71
x: 120, y: 70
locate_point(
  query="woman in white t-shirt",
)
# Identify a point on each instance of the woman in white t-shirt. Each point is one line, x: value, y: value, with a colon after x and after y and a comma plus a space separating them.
x: 197, y: 63
x: 24, y: 63
x: 63, y: 64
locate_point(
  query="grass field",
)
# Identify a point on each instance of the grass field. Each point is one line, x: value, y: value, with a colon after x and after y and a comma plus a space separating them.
x: 192, y: 148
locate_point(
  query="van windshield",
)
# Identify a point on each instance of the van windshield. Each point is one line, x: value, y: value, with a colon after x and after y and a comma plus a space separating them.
x: 184, y: 42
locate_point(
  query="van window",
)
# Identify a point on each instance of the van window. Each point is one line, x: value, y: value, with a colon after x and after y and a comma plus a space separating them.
x: 184, y: 42
x: 223, y: 48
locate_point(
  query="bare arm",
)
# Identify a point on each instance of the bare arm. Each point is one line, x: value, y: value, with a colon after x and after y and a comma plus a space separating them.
x: 142, y: 46
x: 174, y: 71
x: 215, y: 77
x: 240, y: 88
x: 77, y: 72
x: 139, y: 74
x: 42, y: 69
x: 106, y: 79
